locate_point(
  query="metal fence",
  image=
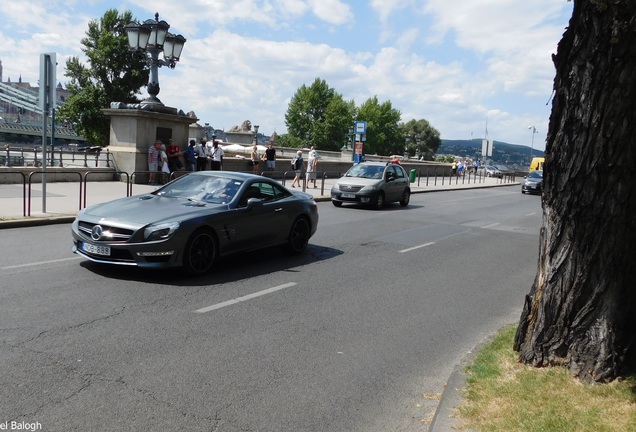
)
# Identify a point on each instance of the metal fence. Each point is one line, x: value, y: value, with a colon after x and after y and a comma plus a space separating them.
x: 20, y: 156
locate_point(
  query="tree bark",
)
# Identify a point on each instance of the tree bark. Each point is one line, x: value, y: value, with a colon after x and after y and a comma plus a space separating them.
x: 581, y: 311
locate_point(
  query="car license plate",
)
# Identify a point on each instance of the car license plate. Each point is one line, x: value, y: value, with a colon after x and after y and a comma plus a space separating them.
x: 348, y: 195
x: 96, y: 250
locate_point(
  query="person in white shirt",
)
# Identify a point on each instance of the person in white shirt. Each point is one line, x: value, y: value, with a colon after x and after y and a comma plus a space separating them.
x: 216, y: 157
x: 200, y: 152
x: 312, y: 161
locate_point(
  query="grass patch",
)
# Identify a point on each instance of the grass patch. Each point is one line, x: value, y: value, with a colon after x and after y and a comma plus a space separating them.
x: 503, y: 395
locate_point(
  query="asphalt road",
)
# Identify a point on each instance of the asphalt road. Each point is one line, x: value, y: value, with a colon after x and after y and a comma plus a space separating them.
x: 360, y: 333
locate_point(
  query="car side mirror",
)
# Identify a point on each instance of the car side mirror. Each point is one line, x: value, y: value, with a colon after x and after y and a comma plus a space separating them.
x: 254, y: 202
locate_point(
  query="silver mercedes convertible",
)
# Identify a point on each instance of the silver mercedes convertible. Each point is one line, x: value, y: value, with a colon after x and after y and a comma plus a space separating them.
x: 195, y: 219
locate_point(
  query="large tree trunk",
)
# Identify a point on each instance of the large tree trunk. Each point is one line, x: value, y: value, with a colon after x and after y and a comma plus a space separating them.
x: 581, y: 310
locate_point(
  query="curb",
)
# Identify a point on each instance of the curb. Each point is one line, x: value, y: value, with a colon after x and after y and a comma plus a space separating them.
x: 443, y: 420
x: 36, y: 221
x: 453, y: 394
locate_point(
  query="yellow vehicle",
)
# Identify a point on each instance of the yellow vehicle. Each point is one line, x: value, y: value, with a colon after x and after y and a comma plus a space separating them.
x: 536, y: 164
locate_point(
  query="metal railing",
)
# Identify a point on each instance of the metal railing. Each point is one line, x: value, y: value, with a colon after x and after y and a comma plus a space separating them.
x: 32, y: 156
x: 433, y: 175
x: 427, y: 175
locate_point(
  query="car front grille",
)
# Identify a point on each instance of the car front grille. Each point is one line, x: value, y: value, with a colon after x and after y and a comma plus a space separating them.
x: 107, y: 233
x: 349, y: 188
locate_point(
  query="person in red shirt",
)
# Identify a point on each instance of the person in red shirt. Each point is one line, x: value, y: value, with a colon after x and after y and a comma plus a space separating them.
x: 174, y: 156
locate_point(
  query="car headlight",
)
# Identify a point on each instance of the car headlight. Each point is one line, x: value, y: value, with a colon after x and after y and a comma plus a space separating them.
x: 160, y: 231
x: 370, y: 188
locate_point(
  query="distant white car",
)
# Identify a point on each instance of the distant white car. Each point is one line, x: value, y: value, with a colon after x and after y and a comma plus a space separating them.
x: 493, y: 171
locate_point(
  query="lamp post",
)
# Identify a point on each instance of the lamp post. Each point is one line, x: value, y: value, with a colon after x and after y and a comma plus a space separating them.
x: 145, y: 42
x: 534, y: 131
x: 351, y: 135
x: 255, y: 134
x: 351, y: 144
x: 407, y: 140
x: 417, y: 147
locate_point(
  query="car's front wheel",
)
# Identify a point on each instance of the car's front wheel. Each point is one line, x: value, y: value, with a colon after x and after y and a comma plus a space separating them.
x: 337, y: 203
x: 406, y: 198
x: 299, y: 235
x: 199, y: 253
x: 378, y: 202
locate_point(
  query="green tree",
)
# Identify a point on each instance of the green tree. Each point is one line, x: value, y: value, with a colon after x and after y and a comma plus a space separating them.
x: 289, y: 141
x: 581, y: 310
x: 383, y: 134
x: 321, y: 112
x: 112, y: 75
x: 421, y: 131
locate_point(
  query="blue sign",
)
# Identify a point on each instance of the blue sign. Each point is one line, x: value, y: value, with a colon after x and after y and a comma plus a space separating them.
x: 361, y: 127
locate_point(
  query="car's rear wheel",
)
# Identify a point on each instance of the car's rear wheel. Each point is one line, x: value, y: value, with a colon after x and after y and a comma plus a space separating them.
x: 337, y: 203
x: 406, y: 198
x: 199, y: 253
x: 299, y: 235
x: 378, y: 202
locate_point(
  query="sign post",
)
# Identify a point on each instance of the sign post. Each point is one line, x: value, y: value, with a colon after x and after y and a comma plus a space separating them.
x: 47, y: 103
x: 361, y: 136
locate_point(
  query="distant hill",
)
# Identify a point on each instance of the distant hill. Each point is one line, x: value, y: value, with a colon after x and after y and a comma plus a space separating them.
x: 503, y: 153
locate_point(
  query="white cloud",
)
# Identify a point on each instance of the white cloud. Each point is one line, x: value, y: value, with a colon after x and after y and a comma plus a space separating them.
x: 332, y: 11
x: 454, y: 63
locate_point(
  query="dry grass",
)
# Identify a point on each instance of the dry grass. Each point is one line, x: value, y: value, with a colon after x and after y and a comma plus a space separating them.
x: 503, y: 395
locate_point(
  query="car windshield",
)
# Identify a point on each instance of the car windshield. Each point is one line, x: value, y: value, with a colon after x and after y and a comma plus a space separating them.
x: 199, y: 188
x: 366, y: 171
x: 536, y: 174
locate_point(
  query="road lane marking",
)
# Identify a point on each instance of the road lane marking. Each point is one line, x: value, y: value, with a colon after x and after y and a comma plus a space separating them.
x: 417, y: 247
x: 40, y: 263
x: 491, y: 225
x: 245, y: 298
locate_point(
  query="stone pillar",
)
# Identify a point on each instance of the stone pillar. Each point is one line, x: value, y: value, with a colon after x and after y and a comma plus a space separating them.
x: 133, y: 131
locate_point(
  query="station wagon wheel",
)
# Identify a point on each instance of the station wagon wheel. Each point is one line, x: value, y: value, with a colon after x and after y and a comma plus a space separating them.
x: 299, y: 235
x: 337, y: 203
x: 378, y: 203
x: 199, y: 253
x: 406, y: 197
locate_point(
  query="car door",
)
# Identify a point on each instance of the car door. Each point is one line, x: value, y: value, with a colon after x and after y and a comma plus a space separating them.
x: 395, y: 183
x: 256, y: 226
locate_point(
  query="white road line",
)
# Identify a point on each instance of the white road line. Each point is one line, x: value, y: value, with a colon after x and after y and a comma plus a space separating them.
x: 531, y: 214
x: 491, y: 225
x: 245, y: 298
x: 40, y: 263
x: 416, y: 247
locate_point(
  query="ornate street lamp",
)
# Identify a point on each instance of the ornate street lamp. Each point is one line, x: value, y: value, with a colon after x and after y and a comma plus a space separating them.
x: 407, y: 140
x: 145, y: 42
x: 417, y: 147
x: 351, y: 136
x: 255, y: 134
x: 534, y: 131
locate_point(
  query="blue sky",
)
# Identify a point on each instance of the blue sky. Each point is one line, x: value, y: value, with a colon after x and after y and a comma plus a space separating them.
x: 462, y: 64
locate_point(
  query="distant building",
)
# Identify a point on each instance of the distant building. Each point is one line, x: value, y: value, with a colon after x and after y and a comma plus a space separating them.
x: 11, y: 111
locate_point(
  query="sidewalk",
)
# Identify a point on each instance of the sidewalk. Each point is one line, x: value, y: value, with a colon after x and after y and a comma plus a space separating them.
x: 65, y: 199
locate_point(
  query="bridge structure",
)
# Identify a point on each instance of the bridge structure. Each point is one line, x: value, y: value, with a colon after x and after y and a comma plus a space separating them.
x: 25, y: 101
